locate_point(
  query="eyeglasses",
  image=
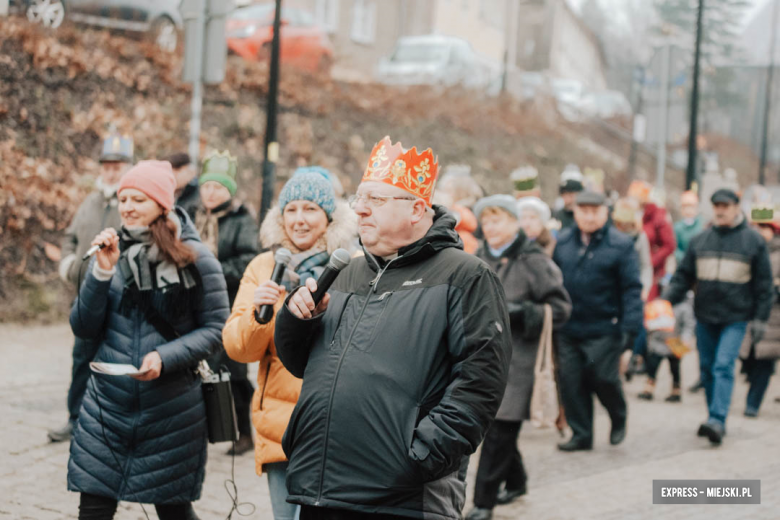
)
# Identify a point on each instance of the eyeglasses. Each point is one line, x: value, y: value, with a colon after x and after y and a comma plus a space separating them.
x: 373, y: 201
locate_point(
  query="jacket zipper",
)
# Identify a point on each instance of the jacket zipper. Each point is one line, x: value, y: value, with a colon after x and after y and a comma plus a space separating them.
x: 265, y: 383
x: 373, y: 284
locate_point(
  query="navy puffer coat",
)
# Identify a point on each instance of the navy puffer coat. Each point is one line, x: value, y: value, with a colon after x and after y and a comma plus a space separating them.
x: 156, y: 429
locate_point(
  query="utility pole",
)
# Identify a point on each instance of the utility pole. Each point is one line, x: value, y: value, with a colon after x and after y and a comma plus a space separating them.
x: 510, y: 40
x: 768, y: 98
x: 271, y: 145
x: 640, y: 122
x: 690, y: 174
x: 660, y: 170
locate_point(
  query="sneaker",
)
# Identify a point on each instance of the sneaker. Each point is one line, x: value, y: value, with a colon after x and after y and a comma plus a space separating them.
x: 674, y: 398
x: 695, y: 387
x: 751, y: 412
x: 713, y: 431
x: 647, y: 396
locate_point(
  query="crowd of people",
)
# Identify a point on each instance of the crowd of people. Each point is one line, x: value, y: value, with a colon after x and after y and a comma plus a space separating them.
x: 370, y: 401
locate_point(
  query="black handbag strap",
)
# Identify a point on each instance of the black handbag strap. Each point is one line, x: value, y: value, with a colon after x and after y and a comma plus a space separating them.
x: 165, y: 329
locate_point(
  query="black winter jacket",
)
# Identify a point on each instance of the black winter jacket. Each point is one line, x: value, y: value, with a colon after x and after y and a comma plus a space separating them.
x: 402, y: 376
x: 730, y: 271
x: 602, y: 280
x: 145, y: 441
x: 238, y: 245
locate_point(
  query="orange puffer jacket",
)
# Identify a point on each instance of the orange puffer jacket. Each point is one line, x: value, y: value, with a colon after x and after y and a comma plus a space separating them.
x: 247, y: 341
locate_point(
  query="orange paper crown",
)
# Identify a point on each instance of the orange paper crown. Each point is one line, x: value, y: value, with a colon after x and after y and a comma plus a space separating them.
x: 409, y: 170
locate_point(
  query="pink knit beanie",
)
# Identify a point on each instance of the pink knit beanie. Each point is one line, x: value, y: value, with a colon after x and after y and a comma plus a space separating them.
x: 155, y: 178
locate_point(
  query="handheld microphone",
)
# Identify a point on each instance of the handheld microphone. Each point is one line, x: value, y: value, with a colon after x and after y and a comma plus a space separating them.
x: 338, y: 261
x: 92, y: 250
x: 282, y: 258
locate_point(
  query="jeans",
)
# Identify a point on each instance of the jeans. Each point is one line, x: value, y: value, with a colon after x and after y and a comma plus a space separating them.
x: 95, y: 507
x: 500, y: 462
x: 718, y: 350
x: 277, y: 475
x: 760, y: 372
x: 640, y: 344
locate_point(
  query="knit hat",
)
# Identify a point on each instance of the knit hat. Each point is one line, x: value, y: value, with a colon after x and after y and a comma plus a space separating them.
x: 154, y: 178
x: 505, y: 202
x: 524, y: 178
x: 338, y: 188
x: 312, y: 186
x: 536, y: 205
x: 220, y: 167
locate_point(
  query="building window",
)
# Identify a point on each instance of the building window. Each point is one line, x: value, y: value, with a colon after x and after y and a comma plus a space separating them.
x: 326, y: 12
x: 364, y: 21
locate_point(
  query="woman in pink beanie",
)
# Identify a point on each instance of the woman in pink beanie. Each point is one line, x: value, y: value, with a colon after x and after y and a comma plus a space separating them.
x: 155, y: 297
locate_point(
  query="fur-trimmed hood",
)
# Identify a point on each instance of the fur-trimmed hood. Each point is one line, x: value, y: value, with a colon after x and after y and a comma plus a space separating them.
x: 341, y: 231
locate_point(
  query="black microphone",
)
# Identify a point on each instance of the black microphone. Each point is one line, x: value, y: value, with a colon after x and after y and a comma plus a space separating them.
x: 92, y: 250
x: 282, y: 258
x: 338, y: 261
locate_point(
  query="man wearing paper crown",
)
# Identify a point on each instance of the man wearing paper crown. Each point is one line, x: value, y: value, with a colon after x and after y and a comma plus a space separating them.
x: 759, y: 357
x: 404, y: 362
x: 729, y: 266
x: 97, y: 212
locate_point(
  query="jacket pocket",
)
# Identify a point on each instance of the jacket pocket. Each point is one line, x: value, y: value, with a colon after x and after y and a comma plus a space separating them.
x: 288, y: 439
x: 371, y: 323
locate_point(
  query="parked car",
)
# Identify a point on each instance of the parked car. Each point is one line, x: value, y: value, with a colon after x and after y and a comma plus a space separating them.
x: 435, y: 60
x: 158, y: 19
x: 606, y: 104
x: 303, y: 43
x: 569, y: 94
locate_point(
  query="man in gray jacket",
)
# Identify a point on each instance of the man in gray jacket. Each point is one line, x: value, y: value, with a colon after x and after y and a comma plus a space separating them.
x: 97, y: 212
x: 404, y: 362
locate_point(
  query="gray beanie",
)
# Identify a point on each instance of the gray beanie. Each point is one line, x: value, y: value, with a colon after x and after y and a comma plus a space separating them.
x: 505, y: 202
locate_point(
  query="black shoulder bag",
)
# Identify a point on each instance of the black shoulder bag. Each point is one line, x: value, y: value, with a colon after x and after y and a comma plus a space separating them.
x: 217, y: 392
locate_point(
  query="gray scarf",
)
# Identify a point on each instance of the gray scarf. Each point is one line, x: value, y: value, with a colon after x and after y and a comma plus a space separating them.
x: 157, y: 279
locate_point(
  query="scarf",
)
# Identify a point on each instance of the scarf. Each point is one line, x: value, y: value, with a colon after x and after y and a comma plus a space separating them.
x: 160, y: 284
x: 302, y: 266
x: 498, y: 251
x: 207, y: 224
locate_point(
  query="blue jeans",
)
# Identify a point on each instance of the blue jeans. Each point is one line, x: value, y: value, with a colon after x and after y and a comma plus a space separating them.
x: 277, y: 475
x: 718, y: 350
x: 760, y: 372
x: 640, y: 344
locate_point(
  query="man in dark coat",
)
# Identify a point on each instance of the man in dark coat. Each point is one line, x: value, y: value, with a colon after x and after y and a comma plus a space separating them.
x: 531, y: 280
x: 571, y: 185
x: 187, y: 187
x: 729, y: 266
x: 404, y: 362
x: 601, y: 274
x: 97, y: 212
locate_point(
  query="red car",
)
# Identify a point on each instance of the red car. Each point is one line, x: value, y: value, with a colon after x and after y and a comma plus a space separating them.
x: 303, y: 43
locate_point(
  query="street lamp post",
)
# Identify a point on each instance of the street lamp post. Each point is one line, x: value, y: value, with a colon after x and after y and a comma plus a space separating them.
x: 271, y: 145
x: 690, y: 174
x: 768, y: 97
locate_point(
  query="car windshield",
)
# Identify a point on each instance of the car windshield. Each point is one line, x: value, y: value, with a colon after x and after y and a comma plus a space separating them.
x: 571, y: 88
x: 255, y: 12
x: 420, y: 53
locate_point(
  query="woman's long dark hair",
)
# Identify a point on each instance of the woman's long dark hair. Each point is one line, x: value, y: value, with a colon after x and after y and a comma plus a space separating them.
x: 172, y: 248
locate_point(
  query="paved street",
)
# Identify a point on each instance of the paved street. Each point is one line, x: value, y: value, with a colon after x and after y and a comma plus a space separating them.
x: 608, y: 483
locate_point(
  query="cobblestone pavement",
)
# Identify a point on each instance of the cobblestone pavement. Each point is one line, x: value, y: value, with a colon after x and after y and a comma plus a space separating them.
x: 607, y: 483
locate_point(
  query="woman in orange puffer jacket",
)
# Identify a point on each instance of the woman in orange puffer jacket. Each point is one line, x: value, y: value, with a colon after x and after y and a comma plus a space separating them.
x: 310, y: 223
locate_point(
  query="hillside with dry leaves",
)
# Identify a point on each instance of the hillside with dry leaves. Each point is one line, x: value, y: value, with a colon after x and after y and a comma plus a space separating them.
x: 62, y: 89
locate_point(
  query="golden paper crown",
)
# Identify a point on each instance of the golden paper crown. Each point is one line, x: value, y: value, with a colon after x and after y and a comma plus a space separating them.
x: 409, y: 170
